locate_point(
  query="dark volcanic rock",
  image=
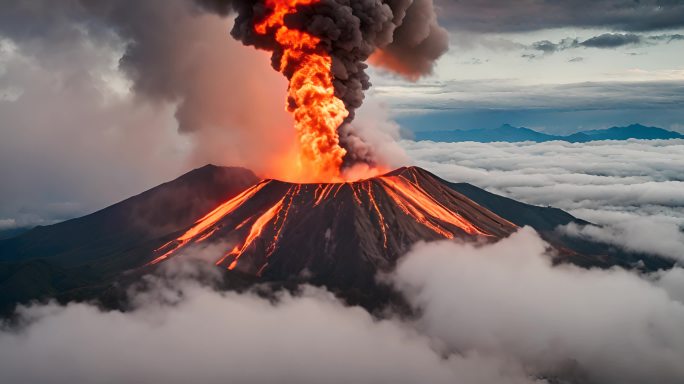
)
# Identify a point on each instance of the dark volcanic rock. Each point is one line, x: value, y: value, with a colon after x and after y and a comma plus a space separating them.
x: 93, y: 250
x: 338, y: 235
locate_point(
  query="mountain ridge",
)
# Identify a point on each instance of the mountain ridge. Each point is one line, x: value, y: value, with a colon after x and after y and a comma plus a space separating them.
x: 511, y: 134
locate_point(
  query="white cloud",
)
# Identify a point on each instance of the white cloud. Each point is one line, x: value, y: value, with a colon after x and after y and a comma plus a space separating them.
x: 634, y: 188
x: 494, y: 314
x: 507, y: 300
x: 185, y: 332
x: 641, y: 234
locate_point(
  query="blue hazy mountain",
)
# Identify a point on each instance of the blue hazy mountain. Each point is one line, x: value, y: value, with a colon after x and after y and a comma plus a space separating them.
x: 511, y: 134
x: 12, y: 232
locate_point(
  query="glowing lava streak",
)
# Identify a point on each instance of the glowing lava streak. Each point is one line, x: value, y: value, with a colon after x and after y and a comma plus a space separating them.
x: 208, y: 221
x: 311, y: 94
x: 414, y: 201
x: 256, y: 230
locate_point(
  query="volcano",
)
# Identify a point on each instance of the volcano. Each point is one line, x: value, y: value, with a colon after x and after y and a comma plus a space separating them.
x: 338, y: 235
x: 341, y: 232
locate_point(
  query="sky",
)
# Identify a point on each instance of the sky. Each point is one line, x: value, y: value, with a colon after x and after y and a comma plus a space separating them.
x: 554, y: 66
x: 99, y: 103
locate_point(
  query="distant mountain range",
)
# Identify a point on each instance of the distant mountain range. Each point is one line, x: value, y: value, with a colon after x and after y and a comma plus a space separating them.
x: 511, y: 134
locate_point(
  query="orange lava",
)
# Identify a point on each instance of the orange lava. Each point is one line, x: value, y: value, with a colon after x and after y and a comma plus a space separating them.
x: 414, y: 201
x: 311, y: 94
x: 205, y: 223
x: 404, y: 194
x: 381, y: 218
x: 256, y: 230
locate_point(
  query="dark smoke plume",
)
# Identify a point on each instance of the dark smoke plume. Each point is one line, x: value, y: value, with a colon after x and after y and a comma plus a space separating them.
x: 171, y: 55
x: 400, y: 35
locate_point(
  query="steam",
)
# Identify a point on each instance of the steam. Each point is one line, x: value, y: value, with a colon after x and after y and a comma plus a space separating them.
x: 166, y: 56
x: 500, y: 313
x: 402, y: 35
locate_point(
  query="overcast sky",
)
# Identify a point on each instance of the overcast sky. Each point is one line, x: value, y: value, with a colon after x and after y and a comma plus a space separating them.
x: 556, y: 66
x: 100, y: 102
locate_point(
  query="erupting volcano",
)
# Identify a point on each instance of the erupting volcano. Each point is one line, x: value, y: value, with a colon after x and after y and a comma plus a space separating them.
x: 349, y: 230
x: 338, y: 235
x: 321, y: 47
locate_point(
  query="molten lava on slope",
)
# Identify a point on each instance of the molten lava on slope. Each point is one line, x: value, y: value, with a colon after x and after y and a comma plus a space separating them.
x: 344, y: 231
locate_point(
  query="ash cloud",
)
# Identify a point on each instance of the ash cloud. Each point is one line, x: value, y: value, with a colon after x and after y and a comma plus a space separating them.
x: 402, y: 36
x: 179, y: 53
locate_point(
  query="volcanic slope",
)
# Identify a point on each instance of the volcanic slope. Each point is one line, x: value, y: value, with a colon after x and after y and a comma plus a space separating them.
x: 340, y: 234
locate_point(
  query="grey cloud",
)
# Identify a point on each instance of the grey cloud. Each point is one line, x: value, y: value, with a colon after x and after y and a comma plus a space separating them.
x: 532, y: 15
x: 667, y: 38
x: 604, y: 41
x: 545, y: 46
x: 402, y: 36
x: 612, y: 40
x: 563, y: 323
x: 637, y: 234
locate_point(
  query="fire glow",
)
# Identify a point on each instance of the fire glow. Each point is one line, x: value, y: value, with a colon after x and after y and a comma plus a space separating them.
x: 402, y: 195
x: 311, y: 94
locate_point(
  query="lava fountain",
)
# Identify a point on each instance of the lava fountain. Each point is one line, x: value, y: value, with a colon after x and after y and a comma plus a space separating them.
x: 322, y: 47
x: 311, y: 93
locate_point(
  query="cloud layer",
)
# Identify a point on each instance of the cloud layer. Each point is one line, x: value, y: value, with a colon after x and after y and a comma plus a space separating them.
x: 499, y: 313
x: 183, y: 331
x: 634, y: 188
x: 507, y: 300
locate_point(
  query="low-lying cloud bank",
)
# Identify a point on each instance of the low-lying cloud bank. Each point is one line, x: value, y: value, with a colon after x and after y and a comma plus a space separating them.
x: 497, y: 313
x: 507, y: 300
x: 634, y: 189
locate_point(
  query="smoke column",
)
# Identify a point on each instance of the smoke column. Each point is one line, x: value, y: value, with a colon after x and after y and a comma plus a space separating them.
x: 175, y: 56
x: 322, y: 47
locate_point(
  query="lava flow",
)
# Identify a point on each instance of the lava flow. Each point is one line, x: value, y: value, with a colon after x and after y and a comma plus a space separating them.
x: 276, y: 225
x: 311, y: 94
